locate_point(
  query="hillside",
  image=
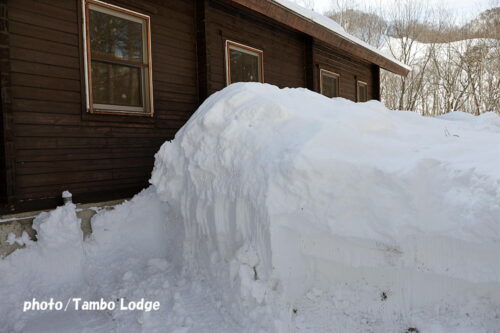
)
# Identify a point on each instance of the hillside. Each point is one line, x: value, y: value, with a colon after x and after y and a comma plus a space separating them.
x: 371, y: 27
x: 454, y: 68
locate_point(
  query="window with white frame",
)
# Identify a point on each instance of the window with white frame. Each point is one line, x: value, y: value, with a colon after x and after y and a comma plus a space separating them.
x: 243, y: 63
x: 118, y: 60
x: 361, y: 91
x: 329, y: 83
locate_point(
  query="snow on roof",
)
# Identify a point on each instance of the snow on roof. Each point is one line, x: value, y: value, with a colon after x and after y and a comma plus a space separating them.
x: 336, y: 28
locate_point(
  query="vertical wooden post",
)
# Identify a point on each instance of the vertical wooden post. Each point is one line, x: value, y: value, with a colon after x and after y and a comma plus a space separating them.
x: 376, y: 82
x: 201, y: 50
x: 310, y: 63
x: 7, y: 161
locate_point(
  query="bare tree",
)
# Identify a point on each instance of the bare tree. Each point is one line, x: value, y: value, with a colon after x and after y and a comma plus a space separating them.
x: 454, y: 66
x: 368, y: 27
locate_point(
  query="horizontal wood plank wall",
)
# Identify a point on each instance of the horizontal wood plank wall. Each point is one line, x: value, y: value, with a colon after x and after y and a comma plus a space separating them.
x: 6, y: 144
x: 350, y: 70
x: 60, y: 147
x: 3, y: 166
x: 284, y: 51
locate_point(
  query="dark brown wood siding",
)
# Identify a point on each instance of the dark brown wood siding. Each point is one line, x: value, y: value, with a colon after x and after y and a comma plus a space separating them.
x: 349, y: 68
x: 61, y: 147
x: 51, y: 144
x: 4, y: 57
x: 284, y: 50
x: 6, y: 120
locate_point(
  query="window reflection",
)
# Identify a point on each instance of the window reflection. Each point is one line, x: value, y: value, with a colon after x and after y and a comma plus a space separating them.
x: 118, y: 60
x: 244, y: 63
x: 329, y: 84
x: 362, y: 94
x: 115, y: 37
x: 115, y: 84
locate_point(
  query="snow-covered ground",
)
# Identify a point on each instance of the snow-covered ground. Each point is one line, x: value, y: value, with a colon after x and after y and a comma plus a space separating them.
x: 280, y: 210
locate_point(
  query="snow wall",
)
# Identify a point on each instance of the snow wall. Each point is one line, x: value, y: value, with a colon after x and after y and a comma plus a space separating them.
x: 283, y: 193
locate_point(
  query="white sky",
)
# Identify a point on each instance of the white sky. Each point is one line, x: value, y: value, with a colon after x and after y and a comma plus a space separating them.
x: 467, y: 9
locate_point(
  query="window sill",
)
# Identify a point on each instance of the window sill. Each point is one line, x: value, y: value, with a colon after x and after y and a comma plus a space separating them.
x: 118, y: 116
x: 122, y: 113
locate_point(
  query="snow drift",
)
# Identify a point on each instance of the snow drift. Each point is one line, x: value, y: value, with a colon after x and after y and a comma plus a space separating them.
x: 126, y: 256
x: 280, y: 210
x: 289, y: 199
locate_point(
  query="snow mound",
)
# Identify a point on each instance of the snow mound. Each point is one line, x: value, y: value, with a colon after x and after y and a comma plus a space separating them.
x: 58, y: 227
x: 280, y: 210
x: 289, y: 199
x: 489, y: 121
x: 126, y: 257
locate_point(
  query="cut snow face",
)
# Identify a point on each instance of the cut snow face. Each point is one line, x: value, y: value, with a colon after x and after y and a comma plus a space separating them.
x: 284, y: 191
x: 280, y: 210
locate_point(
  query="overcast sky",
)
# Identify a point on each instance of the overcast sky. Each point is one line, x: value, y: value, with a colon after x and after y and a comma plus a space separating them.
x: 465, y: 8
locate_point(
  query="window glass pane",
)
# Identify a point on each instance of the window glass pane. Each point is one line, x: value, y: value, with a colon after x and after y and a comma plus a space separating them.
x: 244, y: 67
x: 362, y: 93
x: 116, y: 84
x: 330, y: 85
x: 115, y: 37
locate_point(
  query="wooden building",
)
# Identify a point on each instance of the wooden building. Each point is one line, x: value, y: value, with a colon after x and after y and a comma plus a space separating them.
x: 91, y: 89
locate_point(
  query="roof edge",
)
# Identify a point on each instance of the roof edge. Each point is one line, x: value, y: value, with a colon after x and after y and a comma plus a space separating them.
x: 287, y: 13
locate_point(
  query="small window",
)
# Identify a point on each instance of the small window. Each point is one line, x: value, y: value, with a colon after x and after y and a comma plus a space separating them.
x: 361, y: 91
x: 329, y: 83
x: 118, y: 60
x: 243, y: 63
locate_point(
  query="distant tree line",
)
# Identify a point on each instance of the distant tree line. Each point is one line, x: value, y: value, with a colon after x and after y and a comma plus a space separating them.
x: 454, y: 66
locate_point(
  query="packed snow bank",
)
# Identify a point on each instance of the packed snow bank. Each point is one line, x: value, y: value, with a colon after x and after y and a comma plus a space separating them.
x: 284, y: 211
x: 126, y: 257
x: 289, y: 199
x: 131, y: 255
